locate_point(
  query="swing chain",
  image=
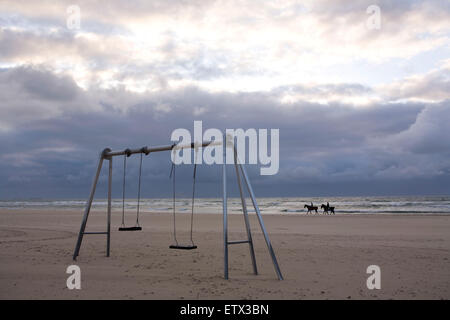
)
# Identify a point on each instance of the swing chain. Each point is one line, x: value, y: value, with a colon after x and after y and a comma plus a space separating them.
x: 123, y: 188
x: 128, y: 153
x: 193, y: 190
x: 139, y: 193
x: 172, y: 175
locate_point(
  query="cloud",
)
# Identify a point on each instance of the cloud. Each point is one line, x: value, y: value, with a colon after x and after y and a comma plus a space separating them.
x: 428, y: 135
x: 29, y: 94
x: 433, y: 86
x: 137, y: 70
x: 320, y: 143
x: 232, y: 45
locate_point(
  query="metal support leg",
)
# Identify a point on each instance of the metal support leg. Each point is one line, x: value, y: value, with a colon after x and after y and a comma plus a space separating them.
x: 244, y: 209
x: 225, y: 218
x: 108, y: 227
x: 88, y: 205
x: 261, y: 223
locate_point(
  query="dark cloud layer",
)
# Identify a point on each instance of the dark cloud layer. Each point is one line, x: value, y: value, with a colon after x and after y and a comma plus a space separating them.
x: 324, y: 149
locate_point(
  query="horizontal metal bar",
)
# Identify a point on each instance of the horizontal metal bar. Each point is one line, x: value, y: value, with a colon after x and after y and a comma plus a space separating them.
x: 158, y: 149
x: 238, y: 241
x: 95, y: 232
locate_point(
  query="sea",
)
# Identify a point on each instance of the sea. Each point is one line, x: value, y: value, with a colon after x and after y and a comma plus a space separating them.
x: 282, y: 205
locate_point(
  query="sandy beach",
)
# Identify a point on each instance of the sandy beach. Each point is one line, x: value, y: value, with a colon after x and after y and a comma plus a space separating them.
x: 321, y: 257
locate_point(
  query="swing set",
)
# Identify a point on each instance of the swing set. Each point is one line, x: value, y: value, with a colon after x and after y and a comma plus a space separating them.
x: 108, y: 154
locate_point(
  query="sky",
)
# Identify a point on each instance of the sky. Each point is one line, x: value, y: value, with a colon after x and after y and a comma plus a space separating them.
x: 363, y: 108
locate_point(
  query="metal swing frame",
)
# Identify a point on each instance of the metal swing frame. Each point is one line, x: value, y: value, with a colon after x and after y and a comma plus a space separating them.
x: 242, y: 180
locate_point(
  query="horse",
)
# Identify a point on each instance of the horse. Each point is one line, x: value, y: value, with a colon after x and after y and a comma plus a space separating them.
x: 327, y: 208
x: 311, y: 208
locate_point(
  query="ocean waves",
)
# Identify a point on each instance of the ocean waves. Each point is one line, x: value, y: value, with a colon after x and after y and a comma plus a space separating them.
x: 343, y: 205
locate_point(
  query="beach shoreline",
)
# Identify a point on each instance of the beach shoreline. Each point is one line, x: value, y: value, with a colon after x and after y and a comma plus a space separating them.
x: 132, y: 211
x: 267, y: 205
x: 320, y: 256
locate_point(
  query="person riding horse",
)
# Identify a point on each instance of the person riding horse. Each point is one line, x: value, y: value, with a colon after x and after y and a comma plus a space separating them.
x: 311, y: 208
x: 327, y: 208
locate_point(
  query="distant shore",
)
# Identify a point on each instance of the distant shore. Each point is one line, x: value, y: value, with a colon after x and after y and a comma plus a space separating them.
x: 321, y: 257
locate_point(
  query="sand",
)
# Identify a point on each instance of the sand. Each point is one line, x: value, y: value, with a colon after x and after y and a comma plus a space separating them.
x: 321, y: 257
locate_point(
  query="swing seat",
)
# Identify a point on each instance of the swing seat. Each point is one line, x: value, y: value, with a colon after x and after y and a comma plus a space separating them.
x: 183, y: 247
x: 130, y: 229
